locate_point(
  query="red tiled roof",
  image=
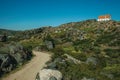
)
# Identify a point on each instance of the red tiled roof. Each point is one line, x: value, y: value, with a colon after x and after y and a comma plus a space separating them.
x: 104, y: 16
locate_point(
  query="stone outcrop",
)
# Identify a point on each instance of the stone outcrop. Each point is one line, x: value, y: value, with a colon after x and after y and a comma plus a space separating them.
x: 76, y: 61
x: 11, y: 56
x: 49, y: 74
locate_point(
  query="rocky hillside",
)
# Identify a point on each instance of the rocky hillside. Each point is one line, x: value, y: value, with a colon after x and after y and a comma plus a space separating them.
x: 86, y: 50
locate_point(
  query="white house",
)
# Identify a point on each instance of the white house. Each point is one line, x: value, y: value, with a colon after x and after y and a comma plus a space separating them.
x: 104, y: 18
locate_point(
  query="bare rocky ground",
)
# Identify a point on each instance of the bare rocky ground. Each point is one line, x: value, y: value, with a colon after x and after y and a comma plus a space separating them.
x: 29, y: 71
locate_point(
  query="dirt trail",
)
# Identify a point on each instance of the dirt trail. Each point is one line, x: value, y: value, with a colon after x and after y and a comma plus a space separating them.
x: 29, y: 71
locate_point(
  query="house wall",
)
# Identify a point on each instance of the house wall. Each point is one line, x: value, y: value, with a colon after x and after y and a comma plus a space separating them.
x: 105, y: 19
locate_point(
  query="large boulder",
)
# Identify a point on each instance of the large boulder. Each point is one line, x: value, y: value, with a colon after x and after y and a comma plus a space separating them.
x: 49, y: 44
x: 16, y: 53
x: 49, y: 74
x: 19, y: 53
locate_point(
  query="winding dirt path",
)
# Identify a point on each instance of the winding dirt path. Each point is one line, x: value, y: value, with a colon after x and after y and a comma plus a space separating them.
x: 29, y: 71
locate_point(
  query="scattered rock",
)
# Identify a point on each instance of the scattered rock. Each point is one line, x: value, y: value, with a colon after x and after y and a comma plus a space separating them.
x: 92, y: 60
x: 84, y: 78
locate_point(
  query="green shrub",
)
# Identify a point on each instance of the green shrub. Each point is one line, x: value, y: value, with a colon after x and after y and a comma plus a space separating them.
x: 113, y: 53
x: 58, y: 52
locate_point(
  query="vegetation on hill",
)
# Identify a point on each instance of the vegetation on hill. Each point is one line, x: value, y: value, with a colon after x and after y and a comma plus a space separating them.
x: 92, y: 48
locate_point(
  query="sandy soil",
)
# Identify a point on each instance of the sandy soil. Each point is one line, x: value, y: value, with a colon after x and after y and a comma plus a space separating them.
x: 29, y: 71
